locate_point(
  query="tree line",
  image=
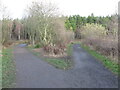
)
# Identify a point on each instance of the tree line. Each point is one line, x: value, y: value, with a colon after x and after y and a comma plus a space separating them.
x: 75, y: 22
x: 41, y: 27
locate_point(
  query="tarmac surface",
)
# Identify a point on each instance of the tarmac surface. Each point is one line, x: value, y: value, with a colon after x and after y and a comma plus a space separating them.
x: 32, y: 72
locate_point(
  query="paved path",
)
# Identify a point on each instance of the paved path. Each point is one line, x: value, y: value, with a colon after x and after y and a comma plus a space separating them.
x: 87, y: 72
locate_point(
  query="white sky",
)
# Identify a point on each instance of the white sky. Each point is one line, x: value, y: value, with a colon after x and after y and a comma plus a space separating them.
x: 67, y: 7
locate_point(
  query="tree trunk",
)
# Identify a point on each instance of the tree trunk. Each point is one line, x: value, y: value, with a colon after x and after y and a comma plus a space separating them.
x: 33, y: 42
x: 45, y: 34
x: 19, y: 35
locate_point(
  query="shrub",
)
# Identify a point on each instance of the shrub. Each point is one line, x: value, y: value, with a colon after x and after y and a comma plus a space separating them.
x: 107, y: 46
x: 93, y: 30
x: 63, y: 35
x: 56, y: 49
x: 37, y: 46
x: 8, y: 43
x: 95, y: 36
x: 61, y: 39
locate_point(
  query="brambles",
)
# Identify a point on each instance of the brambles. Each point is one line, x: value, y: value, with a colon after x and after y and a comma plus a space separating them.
x: 55, y: 50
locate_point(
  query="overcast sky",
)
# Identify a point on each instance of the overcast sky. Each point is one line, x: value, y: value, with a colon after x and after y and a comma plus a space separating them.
x: 67, y: 7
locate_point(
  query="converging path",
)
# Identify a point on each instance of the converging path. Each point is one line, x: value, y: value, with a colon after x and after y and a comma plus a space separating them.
x: 32, y: 72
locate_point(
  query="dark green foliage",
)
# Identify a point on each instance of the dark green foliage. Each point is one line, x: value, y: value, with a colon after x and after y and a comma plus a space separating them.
x: 75, y: 22
x: 37, y: 46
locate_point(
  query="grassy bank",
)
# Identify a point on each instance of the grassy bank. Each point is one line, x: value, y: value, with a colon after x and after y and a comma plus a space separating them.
x: 111, y: 65
x: 69, y: 49
x: 61, y: 63
x: 8, y: 68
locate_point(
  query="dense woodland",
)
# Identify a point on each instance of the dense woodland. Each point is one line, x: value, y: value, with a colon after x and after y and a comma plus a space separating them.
x: 43, y: 27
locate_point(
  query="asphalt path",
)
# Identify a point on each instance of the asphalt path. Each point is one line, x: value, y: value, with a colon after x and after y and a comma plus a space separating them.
x: 32, y: 72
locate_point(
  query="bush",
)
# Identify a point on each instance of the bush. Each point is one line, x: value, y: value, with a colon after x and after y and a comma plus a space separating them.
x: 95, y: 36
x: 37, y: 46
x: 93, y: 30
x: 107, y: 46
x: 8, y: 43
x: 56, y: 49
x: 63, y: 35
x: 61, y: 39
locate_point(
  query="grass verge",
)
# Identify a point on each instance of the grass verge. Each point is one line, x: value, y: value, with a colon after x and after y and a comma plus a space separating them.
x: 58, y: 63
x: 8, y: 68
x: 69, y: 49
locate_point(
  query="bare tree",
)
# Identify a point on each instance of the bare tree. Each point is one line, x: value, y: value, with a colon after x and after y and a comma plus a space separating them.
x: 40, y: 22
